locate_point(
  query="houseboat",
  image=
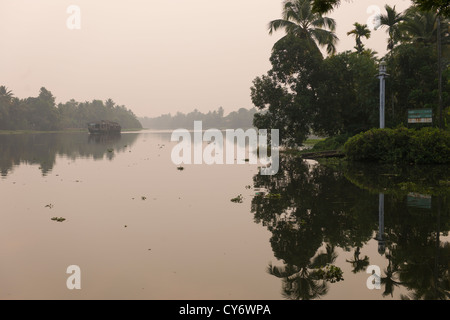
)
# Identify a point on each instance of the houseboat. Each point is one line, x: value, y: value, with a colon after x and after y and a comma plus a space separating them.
x: 104, y: 127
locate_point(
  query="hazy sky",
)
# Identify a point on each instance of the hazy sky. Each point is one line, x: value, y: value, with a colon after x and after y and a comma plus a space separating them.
x: 154, y: 56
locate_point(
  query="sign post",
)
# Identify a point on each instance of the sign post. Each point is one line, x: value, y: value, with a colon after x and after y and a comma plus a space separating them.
x: 420, y: 116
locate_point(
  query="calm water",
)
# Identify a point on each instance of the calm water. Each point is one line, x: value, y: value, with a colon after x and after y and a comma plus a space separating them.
x: 138, y: 228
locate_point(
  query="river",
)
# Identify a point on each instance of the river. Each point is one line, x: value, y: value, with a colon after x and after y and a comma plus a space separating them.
x: 138, y: 227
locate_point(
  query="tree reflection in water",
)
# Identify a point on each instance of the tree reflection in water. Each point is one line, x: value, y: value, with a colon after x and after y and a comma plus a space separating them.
x: 43, y: 148
x: 338, y: 205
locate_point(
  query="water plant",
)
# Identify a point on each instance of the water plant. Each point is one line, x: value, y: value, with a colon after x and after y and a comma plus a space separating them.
x: 237, y: 199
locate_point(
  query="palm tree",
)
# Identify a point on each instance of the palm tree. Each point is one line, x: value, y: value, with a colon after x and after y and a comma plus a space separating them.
x: 392, y: 20
x: 5, y: 93
x: 5, y: 104
x: 360, y: 30
x: 299, y: 20
x: 421, y: 26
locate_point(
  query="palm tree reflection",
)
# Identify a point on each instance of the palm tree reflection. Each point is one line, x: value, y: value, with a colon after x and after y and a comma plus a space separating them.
x: 357, y: 263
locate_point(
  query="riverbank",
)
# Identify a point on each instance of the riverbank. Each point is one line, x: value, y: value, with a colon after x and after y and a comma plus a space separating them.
x: 75, y: 130
x: 39, y: 131
x: 426, y: 145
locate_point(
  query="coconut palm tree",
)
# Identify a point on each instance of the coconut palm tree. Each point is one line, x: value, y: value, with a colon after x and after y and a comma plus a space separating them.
x: 360, y: 30
x: 5, y: 93
x: 392, y: 20
x: 299, y: 20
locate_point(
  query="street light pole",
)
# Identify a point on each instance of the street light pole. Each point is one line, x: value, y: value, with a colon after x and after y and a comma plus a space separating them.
x: 439, y: 49
x: 382, y: 75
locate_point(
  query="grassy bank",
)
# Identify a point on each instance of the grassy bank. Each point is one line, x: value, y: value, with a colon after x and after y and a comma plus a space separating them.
x: 335, y: 143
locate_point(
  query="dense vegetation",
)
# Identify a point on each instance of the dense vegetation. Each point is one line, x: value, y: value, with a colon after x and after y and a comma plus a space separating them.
x: 424, y: 146
x: 216, y: 119
x: 443, y: 6
x: 305, y: 92
x: 41, y: 112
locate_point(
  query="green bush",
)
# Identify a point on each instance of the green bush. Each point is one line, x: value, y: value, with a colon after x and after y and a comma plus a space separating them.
x: 331, y: 143
x: 427, y: 145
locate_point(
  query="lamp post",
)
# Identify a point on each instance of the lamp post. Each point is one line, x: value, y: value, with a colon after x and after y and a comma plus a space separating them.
x: 382, y: 75
x: 439, y: 49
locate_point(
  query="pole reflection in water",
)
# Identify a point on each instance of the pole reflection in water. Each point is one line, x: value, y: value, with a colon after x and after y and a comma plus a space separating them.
x: 380, y: 236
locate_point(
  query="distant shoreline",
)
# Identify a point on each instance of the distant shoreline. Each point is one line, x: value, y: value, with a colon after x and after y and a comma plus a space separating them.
x: 75, y: 130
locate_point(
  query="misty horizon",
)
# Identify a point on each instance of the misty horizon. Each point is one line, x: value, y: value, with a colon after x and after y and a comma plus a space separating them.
x: 132, y: 53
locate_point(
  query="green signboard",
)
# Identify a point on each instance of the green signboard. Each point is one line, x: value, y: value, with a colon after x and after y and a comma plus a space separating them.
x: 420, y: 116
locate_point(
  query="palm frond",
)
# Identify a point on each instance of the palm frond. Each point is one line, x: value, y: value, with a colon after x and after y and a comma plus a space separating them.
x: 324, y: 22
x: 275, y: 25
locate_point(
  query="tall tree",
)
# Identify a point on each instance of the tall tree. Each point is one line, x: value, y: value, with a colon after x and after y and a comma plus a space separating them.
x: 5, y: 104
x: 360, y: 30
x: 345, y: 93
x: 392, y: 20
x: 299, y: 20
x: 421, y: 26
x: 285, y: 95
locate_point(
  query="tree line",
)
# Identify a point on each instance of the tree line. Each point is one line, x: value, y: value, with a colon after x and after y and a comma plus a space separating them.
x: 43, y: 114
x: 305, y: 92
x: 241, y: 118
